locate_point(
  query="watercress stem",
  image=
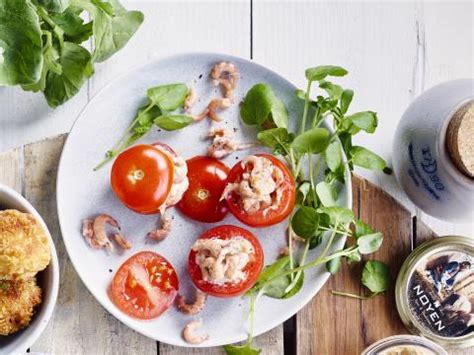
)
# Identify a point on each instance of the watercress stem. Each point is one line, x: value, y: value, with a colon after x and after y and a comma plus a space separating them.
x: 311, y: 264
x: 298, y: 274
x: 352, y: 295
x: 306, y: 106
x: 348, y: 231
x: 330, y: 240
x: 311, y: 179
x: 122, y: 144
x: 290, y: 248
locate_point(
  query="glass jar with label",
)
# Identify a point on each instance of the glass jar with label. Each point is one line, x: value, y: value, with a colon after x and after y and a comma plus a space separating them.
x: 434, y: 291
x: 433, y: 151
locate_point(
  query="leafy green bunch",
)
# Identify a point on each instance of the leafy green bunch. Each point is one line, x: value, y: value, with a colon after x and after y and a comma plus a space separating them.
x: 162, y: 101
x: 317, y: 218
x: 40, y: 42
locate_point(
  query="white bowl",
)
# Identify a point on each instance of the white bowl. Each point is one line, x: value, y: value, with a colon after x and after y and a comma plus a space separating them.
x: 48, y: 280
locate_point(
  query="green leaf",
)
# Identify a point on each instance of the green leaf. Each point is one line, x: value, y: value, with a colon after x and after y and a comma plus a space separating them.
x: 76, y: 66
x: 333, y: 265
x: 317, y: 238
x: 278, y: 111
x: 320, y: 72
x: 366, y: 120
x: 333, y: 90
x: 314, y: 140
x: 257, y: 104
x: 54, y: 5
x: 333, y: 156
x: 326, y: 193
x: 21, y: 56
x: 376, y: 276
x: 354, y: 257
x: 362, y: 228
x: 369, y: 243
x: 245, y: 349
x: 296, y: 288
x: 270, y: 271
x: 346, y: 99
x: 173, y: 122
x: 168, y: 97
x: 365, y: 158
x: 302, y: 192
x: 113, y: 26
x: 73, y: 25
x: 273, y: 137
x: 305, y: 222
x: 338, y: 214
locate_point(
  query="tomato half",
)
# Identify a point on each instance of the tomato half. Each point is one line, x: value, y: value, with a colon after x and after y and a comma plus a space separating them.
x: 142, y: 177
x: 144, y: 286
x: 271, y: 216
x: 207, y: 179
x: 252, y: 269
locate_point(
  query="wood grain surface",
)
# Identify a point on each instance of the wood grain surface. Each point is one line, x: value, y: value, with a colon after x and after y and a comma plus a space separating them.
x: 328, y: 325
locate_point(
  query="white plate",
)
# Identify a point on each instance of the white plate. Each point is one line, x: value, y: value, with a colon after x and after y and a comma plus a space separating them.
x: 82, y: 193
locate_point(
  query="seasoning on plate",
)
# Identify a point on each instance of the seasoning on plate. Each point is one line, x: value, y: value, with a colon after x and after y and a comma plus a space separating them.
x: 435, y: 291
x: 404, y: 345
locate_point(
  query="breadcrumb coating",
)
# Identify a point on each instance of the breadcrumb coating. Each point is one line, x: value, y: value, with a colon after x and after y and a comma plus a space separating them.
x: 18, y: 299
x: 24, y: 248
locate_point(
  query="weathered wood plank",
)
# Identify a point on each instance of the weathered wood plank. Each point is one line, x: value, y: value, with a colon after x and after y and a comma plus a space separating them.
x: 385, y: 214
x: 11, y: 168
x: 326, y: 316
x: 79, y: 324
x: 271, y: 342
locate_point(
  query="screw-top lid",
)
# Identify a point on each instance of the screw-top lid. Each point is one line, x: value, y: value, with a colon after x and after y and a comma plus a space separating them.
x: 460, y: 139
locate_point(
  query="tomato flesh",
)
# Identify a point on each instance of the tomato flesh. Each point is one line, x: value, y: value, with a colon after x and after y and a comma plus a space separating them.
x: 144, y: 286
x: 272, y: 216
x: 207, y: 179
x: 142, y: 177
x: 252, y: 269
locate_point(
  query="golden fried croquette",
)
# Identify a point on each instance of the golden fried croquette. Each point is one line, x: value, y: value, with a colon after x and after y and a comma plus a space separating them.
x: 24, y: 248
x: 18, y: 298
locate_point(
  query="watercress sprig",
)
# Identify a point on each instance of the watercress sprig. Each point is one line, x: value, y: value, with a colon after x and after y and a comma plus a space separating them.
x: 317, y: 218
x: 162, y: 101
x: 375, y: 277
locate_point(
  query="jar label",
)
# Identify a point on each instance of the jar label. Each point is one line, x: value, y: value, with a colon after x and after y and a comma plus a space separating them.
x: 424, y: 171
x: 441, y: 294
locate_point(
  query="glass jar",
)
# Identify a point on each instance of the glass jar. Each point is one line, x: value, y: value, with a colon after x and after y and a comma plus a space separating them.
x: 434, y: 291
x: 404, y: 345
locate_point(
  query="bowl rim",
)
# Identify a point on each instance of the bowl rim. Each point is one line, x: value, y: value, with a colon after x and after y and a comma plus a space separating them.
x: 39, y: 321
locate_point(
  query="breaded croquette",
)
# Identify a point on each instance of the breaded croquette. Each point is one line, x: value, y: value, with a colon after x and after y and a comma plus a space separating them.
x: 24, y: 248
x: 18, y: 298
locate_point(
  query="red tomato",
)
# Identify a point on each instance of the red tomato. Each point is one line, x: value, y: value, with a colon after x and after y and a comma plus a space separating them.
x: 272, y: 216
x: 144, y: 286
x: 253, y: 268
x: 142, y: 177
x: 207, y: 179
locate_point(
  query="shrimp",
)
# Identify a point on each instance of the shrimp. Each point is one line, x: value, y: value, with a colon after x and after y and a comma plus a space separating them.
x: 95, y: 234
x: 188, y: 333
x: 217, y: 104
x: 165, y: 228
x: 225, y: 74
x: 223, y: 143
x: 191, y: 308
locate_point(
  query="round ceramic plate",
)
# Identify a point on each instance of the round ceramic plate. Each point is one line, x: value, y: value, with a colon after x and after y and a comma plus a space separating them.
x: 83, y: 193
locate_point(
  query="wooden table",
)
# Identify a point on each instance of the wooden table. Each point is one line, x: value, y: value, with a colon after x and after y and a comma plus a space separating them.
x: 327, y: 325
